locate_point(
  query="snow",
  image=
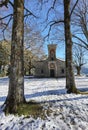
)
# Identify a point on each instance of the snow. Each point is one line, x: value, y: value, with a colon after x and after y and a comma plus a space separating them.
x: 68, y: 111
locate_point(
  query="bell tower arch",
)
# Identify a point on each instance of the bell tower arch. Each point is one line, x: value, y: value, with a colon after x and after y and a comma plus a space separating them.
x: 52, y: 52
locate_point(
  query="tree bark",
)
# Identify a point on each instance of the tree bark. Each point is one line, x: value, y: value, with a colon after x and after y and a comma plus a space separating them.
x: 70, y: 81
x: 16, y: 81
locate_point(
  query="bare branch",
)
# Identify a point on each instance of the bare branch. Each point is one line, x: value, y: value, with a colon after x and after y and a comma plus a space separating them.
x: 11, y: 3
x: 49, y: 30
x: 81, y: 45
x: 81, y: 41
x: 29, y: 13
x: 7, y: 24
x: 52, y: 7
x: 53, y: 22
x: 4, y: 3
x: 6, y: 16
x: 74, y: 7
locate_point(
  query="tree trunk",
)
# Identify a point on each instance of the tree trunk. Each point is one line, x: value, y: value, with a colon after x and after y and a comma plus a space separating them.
x: 29, y: 71
x: 16, y: 82
x: 29, y: 68
x: 24, y: 71
x: 70, y: 82
x: 78, y: 70
x: 0, y: 68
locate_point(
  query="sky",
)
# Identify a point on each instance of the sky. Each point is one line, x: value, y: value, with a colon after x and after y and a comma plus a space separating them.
x: 40, y: 23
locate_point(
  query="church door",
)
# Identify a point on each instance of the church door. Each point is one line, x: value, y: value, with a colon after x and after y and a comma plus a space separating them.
x: 52, y: 73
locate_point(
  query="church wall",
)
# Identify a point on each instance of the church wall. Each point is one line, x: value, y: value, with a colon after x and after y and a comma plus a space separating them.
x: 42, y: 68
x: 60, y: 68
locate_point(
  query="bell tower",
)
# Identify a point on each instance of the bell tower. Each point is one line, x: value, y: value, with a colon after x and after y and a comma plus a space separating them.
x: 52, y: 52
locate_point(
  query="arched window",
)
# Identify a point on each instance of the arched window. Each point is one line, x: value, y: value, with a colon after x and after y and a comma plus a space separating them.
x: 62, y: 71
x: 42, y: 71
x: 52, y: 54
x: 52, y: 58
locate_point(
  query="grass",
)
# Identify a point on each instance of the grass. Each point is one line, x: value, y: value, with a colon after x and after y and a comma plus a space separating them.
x: 83, y: 93
x: 31, y: 109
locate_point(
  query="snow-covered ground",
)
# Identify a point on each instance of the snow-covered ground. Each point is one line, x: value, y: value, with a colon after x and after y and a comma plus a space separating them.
x: 69, y: 111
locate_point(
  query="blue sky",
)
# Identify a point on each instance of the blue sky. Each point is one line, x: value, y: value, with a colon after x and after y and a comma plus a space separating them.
x: 41, y: 22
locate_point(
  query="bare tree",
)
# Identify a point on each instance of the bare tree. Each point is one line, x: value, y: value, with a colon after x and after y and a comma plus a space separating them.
x: 70, y: 81
x: 33, y: 47
x: 16, y: 82
x: 80, y: 23
x: 5, y: 51
x: 79, y: 58
x: 29, y: 59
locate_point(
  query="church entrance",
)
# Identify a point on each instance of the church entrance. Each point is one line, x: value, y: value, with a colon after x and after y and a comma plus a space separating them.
x: 52, y: 73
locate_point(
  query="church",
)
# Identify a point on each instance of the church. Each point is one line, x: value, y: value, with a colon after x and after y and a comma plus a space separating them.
x: 52, y: 66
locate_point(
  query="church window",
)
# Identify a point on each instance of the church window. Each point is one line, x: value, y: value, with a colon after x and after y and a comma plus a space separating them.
x: 52, y: 65
x: 62, y: 71
x: 42, y: 71
x: 52, y: 58
x: 52, y: 55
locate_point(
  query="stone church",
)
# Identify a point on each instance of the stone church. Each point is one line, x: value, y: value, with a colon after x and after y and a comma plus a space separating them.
x: 52, y: 66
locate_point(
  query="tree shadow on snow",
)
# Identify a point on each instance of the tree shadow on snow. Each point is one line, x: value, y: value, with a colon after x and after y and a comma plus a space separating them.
x: 83, y: 89
x: 67, y: 99
x: 2, y: 99
x: 52, y: 92
x: 57, y: 92
x: 46, y: 93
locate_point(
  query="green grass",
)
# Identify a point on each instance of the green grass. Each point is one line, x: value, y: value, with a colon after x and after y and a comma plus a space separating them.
x: 31, y: 109
x: 83, y: 93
